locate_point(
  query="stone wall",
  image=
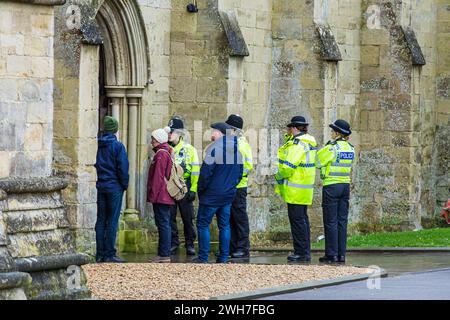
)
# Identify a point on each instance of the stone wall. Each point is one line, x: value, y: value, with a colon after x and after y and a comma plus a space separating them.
x: 26, y: 88
x: 76, y: 124
x: 440, y: 148
x: 37, y: 247
x: 391, y: 102
x: 198, y: 64
x: 39, y: 242
x: 399, y: 110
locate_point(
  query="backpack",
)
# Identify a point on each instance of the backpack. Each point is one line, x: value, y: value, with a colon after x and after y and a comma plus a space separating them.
x: 176, y: 186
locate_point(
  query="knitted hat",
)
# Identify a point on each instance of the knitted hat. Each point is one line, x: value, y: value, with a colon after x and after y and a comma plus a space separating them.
x: 161, y: 135
x: 110, y: 124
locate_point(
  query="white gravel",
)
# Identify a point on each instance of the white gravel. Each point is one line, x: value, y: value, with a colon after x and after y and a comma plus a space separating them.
x: 177, y: 281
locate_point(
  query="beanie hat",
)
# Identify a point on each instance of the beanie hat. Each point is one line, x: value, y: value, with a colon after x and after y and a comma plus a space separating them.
x: 161, y: 135
x: 110, y: 124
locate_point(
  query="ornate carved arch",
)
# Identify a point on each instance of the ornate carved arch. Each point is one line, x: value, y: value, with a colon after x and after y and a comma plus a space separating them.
x: 125, y: 43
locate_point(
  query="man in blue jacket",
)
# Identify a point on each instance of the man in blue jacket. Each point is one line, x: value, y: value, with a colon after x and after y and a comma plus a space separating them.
x: 112, y: 180
x: 220, y: 173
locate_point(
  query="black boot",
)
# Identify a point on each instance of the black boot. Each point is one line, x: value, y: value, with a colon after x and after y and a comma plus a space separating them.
x: 298, y: 258
x: 328, y: 259
x: 114, y: 260
x: 341, y: 259
x: 240, y: 254
x: 190, y: 251
x: 173, y: 250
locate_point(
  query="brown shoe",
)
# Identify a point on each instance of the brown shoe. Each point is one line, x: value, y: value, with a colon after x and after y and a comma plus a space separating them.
x: 159, y: 259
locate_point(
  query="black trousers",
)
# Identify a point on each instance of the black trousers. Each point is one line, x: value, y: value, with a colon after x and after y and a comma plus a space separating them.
x: 187, y: 215
x: 335, y: 199
x: 298, y: 218
x: 239, y: 225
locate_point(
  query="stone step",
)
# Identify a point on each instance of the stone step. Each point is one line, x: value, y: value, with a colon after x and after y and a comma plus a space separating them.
x: 23, y: 245
x: 36, y: 201
x: 36, y: 220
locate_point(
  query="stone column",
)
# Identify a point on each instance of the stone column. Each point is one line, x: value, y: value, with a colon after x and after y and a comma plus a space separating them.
x: 116, y: 97
x: 115, y: 108
x: 134, y: 95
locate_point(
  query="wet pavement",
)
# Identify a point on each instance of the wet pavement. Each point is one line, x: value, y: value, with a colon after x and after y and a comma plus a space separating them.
x: 429, y: 285
x: 394, y: 263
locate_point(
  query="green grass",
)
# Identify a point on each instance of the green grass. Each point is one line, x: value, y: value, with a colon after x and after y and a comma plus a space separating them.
x: 439, y: 237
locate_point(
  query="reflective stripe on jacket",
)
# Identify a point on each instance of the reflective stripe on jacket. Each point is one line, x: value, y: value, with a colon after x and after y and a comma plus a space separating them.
x: 335, y: 162
x: 296, y: 169
x: 246, y: 150
x: 187, y: 157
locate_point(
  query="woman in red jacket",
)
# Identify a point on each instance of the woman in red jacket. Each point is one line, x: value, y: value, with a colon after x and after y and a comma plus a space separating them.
x: 158, y: 175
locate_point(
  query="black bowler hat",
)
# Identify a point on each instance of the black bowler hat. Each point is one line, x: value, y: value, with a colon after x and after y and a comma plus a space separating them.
x: 221, y: 126
x: 298, y: 121
x: 176, y: 123
x: 341, y: 126
x: 236, y: 121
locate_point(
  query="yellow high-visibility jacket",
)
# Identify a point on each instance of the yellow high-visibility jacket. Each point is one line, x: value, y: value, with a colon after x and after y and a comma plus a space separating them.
x: 296, y: 169
x: 246, y: 150
x: 335, y: 162
x: 187, y: 157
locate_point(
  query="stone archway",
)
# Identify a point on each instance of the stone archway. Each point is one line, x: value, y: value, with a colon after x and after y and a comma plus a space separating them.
x: 126, y: 73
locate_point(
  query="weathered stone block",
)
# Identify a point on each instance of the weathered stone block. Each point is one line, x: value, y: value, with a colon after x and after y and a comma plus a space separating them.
x: 12, y: 44
x: 182, y: 89
x: 211, y: 90
x: 38, y: 46
x: 36, y: 220
x: 31, y: 164
x: 53, y: 242
x: 33, y: 137
x: 42, y: 24
x: 38, y: 112
x: 8, y: 90
x: 19, y: 66
x: 181, y: 67
x: 375, y: 37
x: 33, y: 201
x: 207, y: 66
x: 42, y: 67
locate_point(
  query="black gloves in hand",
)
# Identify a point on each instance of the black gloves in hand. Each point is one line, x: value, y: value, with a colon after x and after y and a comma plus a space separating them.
x: 190, y: 196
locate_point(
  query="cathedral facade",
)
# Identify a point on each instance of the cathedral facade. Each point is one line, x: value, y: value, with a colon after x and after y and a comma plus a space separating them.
x: 383, y: 65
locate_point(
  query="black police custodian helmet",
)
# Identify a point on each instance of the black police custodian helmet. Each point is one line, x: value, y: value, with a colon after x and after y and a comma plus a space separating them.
x: 298, y: 121
x: 341, y: 126
x: 236, y: 121
x: 176, y: 123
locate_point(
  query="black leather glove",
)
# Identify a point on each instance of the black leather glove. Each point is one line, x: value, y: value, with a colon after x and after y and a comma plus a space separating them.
x: 190, y: 196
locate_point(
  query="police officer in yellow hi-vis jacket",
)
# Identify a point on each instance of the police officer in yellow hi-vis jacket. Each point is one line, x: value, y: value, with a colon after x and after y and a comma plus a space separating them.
x: 295, y: 183
x: 239, y: 224
x: 335, y: 163
x: 186, y: 156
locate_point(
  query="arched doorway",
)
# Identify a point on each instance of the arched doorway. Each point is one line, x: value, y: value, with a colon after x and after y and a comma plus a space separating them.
x: 123, y: 75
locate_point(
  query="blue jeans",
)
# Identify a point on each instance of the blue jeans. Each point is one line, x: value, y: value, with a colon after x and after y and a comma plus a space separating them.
x: 204, y: 219
x: 108, y: 213
x: 162, y: 220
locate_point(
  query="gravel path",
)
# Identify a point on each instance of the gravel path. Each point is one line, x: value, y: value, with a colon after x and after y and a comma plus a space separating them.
x: 177, y: 281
